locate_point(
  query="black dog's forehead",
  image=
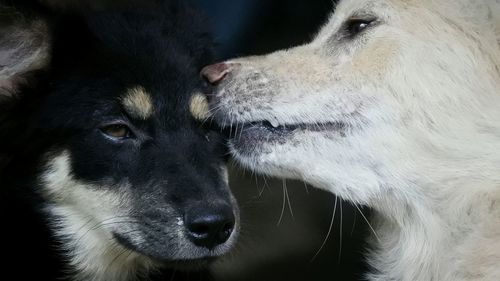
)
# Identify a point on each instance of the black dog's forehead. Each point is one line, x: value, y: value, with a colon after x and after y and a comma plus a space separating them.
x: 154, y: 36
x: 133, y: 62
x: 146, y: 102
x: 84, y: 102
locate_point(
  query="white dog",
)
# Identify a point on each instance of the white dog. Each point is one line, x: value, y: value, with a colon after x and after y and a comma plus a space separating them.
x: 396, y: 105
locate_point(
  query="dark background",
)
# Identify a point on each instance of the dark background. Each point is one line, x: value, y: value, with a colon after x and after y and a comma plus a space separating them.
x: 284, y: 251
x: 250, y: 27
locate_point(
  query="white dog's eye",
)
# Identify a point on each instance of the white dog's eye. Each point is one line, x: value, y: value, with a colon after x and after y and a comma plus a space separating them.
x: 354, y: 26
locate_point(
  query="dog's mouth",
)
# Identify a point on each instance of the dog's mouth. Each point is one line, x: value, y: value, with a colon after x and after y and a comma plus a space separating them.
x: 247, y: 138
x: 272, y: 129
x: 197, y: 261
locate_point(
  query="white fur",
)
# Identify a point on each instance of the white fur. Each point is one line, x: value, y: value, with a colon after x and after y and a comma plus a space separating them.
x: 84, y: 217
x: 420, y: 93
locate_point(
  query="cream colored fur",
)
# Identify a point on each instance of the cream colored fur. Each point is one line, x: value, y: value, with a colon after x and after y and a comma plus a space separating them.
x: 419, y: 93
x: 85, y: 224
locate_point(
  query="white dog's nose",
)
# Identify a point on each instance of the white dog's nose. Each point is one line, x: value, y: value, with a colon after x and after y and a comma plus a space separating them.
x: 216, y: 72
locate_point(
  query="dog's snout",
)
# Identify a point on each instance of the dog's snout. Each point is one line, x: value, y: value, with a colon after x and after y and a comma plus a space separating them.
x: 215, y: 73
x: 210, y: 226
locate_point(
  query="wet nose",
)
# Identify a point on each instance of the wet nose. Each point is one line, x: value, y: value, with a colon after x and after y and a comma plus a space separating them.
x: 215, y: 73
x: 209, y: 226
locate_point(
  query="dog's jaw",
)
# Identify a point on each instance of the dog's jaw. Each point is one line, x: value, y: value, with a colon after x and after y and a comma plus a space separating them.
x: 88, y: 243
x: 90, y: 256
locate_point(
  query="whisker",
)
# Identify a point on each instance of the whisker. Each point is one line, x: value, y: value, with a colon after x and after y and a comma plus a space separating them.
x: 231, y: 127
x: 173, y: 275
x: 123, y: 251
x: 236, y: 131
x: 264, y: 187
x: 85, y: 224
x: 241, y: 131
x: 224, y: 124
x: 104, y: 223
x: 329, y: 230
x: 128, y: 232
x: 91, y: 219
x: 288, y: 198
x: 306, y: 187
x: 210, y: 117
x: 369, y: 225
x: 283, y: 206
x: 353, y: 223
x: 90, y: 229
x: 212, y: 110
x: 340, y: 233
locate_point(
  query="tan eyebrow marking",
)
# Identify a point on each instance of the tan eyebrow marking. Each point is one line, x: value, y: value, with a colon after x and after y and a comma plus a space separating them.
x: 198, y: 106
x: 138, y: 103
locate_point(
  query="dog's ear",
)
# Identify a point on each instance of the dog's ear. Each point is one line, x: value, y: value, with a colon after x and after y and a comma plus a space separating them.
x: 24, y: 49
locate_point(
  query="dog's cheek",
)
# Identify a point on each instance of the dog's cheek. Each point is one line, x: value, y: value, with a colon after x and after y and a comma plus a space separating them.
x: 375, y: 59
x: 61, y: 188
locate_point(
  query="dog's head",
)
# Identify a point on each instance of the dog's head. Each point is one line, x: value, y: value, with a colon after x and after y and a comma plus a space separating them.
x: 128, y: 169
x: 385, y: 89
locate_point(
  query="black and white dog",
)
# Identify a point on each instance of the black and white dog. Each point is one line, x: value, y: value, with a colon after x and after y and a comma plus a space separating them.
x: 110, y: 173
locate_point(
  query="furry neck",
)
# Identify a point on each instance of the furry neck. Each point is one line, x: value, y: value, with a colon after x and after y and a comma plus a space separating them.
x: 453, y: 238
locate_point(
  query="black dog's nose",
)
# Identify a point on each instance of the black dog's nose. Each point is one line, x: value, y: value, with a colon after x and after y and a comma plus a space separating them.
x: 209, y: 226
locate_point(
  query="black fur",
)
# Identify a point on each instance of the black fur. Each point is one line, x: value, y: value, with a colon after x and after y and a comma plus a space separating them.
x: 169, y: 160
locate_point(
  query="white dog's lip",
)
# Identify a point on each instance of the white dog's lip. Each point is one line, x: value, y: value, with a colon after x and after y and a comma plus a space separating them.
x: 271, y: 126
x: 275, y: 128
x: 253, y: 138
x: 249, y: 136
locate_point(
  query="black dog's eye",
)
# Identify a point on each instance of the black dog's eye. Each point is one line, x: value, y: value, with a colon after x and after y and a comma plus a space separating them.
x: 117, y: 131
x: 354, y: 26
